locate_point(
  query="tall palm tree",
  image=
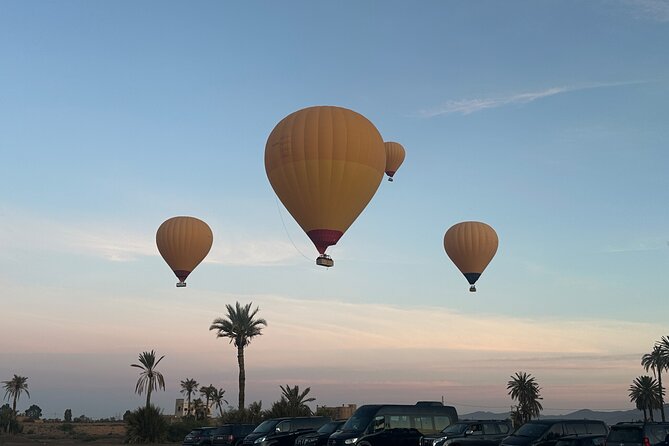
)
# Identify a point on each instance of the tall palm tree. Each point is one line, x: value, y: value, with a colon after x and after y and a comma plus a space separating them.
x: 149, y: 378
x: 14, y: 388
x: 188, y: 387
x: 644, y: 393
x: 218, y: 399
x: 240, y: 326
x: 524, y: 388
x: 656, y: 361
x: 297, y: 401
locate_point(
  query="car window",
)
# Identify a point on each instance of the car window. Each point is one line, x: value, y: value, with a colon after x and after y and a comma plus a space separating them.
x: 656, y: 434
x: 556, y: 431
x: 596, y: 428
x: 575, y: 428
x: 283, y: 426
x: 475, y: 429
x: 627, y: 435
x: 490, y: 428
x: 568, y: 442
x: 397, y: 421
x: 504, y: 428
x: 423, y: 424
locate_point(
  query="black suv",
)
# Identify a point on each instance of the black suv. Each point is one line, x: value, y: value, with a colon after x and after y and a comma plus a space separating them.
x: 320, y: 437
x: 231, y: 434
x: 638, y: 434
x: 547, y: 432
x: 470, y: 433
x: 283, y: 431
x: 199, y: 437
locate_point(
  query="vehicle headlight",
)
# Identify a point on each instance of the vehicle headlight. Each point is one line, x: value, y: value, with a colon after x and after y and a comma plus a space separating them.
x: 351, y: 440
x: 260, y: 440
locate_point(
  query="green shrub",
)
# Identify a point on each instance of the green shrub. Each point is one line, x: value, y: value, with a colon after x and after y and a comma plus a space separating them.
x: 146, y: 425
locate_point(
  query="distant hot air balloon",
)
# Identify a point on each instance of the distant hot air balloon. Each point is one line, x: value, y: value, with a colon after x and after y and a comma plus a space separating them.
x: 471, y: 245
x: 183, y: 242
x: 325, y: 164
x: 394, y: 158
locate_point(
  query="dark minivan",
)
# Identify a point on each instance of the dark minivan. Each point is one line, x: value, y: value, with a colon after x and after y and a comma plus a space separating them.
x: 470, y: 433
x: 548, y: 431
x: 427, y: 417
x: 231, y: 434
x: 275, y: 430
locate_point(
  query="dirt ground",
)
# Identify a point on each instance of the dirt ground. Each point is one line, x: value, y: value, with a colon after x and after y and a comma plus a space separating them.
x: 93, y: 434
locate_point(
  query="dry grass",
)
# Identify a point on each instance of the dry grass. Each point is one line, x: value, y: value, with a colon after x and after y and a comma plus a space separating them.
x: 93, y: 434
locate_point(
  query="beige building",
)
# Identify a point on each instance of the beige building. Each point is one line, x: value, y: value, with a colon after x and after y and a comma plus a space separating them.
x: 342, y: 412
x: 181, y: 407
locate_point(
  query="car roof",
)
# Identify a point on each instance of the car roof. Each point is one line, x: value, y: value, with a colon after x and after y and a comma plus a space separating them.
x: 576, y: 436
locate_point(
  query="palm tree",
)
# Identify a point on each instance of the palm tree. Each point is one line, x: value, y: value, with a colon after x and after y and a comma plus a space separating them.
x: 13, y: 389
x: 644, y: 393
x: 188, y: 387
x: 207, y: 392
x: 240, y: 326
x: 656, y: 361
x: 149, y: 378
x: 296, y: 401
x: 218, y: 398
x: 524, y: 388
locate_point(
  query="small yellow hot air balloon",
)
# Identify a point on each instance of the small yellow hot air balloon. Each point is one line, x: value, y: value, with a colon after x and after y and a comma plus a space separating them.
x: 325, y: 164
x: 471, y: 245
x: 183, y: 242
x: 394, y: 158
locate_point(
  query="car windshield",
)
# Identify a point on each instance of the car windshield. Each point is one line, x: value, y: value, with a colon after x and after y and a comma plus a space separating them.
x: 356, y: 424
x: 264, y: 427
x: 455, y: 429
x: 630, y: 435
x: 329, y: 428
x: 224, y: 430
x: 532, y: 430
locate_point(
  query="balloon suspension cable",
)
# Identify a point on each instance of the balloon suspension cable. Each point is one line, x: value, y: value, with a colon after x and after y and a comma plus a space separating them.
x: 472, y: 289
x: 278, y: 209
x: 181, y: 284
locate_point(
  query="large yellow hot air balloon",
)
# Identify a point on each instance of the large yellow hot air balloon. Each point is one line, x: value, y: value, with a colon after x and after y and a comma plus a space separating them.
x: 471, y: 245
x: 183, y: 242
x: 394, y: 158
x: 325, y: 164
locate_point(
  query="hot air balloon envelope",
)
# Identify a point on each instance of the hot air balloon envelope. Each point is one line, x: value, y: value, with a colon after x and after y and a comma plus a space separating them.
x: 394, y: 158
x: 183, y: 242
x: 325, y: 163
x: 471, y: 245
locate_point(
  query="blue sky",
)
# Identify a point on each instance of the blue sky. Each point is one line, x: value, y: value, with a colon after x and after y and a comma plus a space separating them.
x: 546, y: 120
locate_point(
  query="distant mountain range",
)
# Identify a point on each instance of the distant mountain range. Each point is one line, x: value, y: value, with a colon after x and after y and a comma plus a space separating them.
x: 608, y: 417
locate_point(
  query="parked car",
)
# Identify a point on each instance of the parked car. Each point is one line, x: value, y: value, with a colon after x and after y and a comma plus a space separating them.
x: 283, y: 431
x: 199, y: 437
x: 547, y: 432
x: 391, y: 437
x: 470, y: 433
x: 231, y: 434
x: 320, y: 437
x: 638, y: 434
x: 582, y: 440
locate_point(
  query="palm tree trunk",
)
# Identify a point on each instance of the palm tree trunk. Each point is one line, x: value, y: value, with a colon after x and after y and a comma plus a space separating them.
x: 242, y: 375
x: 659, y: 380
x: 14, y: 405
x: 645, y: 418
x: 189, y: 404
x: 148, y: 397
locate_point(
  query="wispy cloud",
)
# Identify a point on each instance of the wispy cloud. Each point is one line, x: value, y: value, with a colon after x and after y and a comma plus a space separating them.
x: 655, y: 10
x: 469, y: 106
x: 22, y: 233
